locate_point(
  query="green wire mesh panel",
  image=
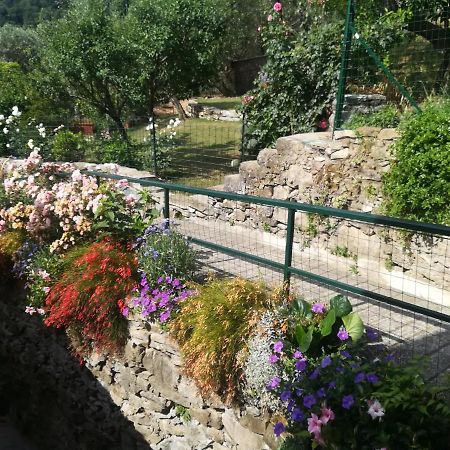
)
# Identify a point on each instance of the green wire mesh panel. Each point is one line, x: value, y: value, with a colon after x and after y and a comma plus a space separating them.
x: 399, y: 54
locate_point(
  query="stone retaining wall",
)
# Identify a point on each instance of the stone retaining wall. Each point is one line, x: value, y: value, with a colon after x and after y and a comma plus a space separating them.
x: 140, y: 400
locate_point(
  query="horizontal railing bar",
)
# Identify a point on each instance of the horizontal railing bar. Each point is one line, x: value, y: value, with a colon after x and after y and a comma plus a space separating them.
x: 304, y: 207
x: 326, y: 281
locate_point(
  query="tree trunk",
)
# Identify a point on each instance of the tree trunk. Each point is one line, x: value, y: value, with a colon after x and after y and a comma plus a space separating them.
x: 179, y: 107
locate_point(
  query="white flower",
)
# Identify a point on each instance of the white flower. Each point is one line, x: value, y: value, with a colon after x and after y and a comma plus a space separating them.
x: 30, y: 144
x: 15, y: 111
x: 2, y: 117
x: 76, y: 175
x: 5, y: 130
x: 375, y: 409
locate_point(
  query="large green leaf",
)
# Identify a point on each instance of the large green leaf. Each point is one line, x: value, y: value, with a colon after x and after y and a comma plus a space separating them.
x: 301, y: 307
x: 328, y: 322
x: 304, y: 339
x: 354, y: 326
x: 341, y: 305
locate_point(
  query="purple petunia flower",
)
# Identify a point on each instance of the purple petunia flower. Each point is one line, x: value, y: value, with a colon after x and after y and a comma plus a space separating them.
x: 347, y: 401
x: 278, y: 429
x: 346, y: 354
x: 326, y: 362
x: 360, y: 377
x: 321, y: 393
x: 314, y: 374
x: 309, y: 401
x: 372, y: 378
x: 297, y: 415
x: 343, y: 334
x: 300, y: 365
x: 164, y: 315
x: 285, y: 396
x: 318, y: 308
x: 390, y: 357
x: 273, y: 359
x: 332, y: 384
x: 371, y: 334
x: 278, y: 347
x: 274, y: 383
x: 298, y: 354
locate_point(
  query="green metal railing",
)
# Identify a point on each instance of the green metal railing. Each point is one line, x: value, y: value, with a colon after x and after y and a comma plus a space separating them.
x: 293, y: 208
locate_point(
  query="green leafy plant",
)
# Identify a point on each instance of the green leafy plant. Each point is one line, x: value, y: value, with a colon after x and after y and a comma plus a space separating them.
x: 387, y: 117
x: 183, y: 413
x: 302, y: 63
x: 316, y: 328
x: 418, y: 183
x: 164, y: 252
x: 67, y: 146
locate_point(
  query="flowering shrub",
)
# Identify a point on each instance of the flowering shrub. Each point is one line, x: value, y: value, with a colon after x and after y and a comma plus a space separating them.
x: 344, y: 401
x: 337, y: 394
x: 163, y: 252
x: 64, y: 211
x: 297, y: 84
x: 88, y: 299
x: 165, y: 142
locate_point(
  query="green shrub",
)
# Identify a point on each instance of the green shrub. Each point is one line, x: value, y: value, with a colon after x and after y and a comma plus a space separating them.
x: 418, y: 185
x: 213, y: 328
x: 67, y: 146
x: 387, y: 117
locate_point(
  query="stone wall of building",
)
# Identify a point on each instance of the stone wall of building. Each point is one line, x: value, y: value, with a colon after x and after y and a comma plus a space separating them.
x: 136, y: 401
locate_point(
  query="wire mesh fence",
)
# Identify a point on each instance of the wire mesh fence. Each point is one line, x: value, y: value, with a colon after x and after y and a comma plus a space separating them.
x: 395, y: 272
x: 397, y: 277
x: 197, y: 151
x: 402, y: 57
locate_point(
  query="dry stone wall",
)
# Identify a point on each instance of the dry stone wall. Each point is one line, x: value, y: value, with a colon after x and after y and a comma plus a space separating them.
x: 140, y: 400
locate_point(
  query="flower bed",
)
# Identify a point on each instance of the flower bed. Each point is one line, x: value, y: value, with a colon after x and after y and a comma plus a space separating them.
x: 91, y: 255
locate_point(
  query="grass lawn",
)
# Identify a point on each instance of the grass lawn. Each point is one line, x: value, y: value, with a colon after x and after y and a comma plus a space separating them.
x: 220, y: 102
x: 203, y: 152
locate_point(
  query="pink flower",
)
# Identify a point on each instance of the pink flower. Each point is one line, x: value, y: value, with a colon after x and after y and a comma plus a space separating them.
x: 314, y: 424
x: 30, y: 310
x: 327, y: 415
x: 343, y: 334
x: 375, y: 409
x: 269, y: 18
x: 277, y: 7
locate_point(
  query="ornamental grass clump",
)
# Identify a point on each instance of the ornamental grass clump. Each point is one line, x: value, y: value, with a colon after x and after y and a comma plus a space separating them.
x: 89, y: 298
x: 213, y: 328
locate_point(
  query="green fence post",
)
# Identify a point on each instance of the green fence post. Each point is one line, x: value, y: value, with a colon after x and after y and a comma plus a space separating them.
x: 242, y: 136
x: 153, y: 130
x: 346, y: 47
x: 166, y: 203
x: 289, y: 249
